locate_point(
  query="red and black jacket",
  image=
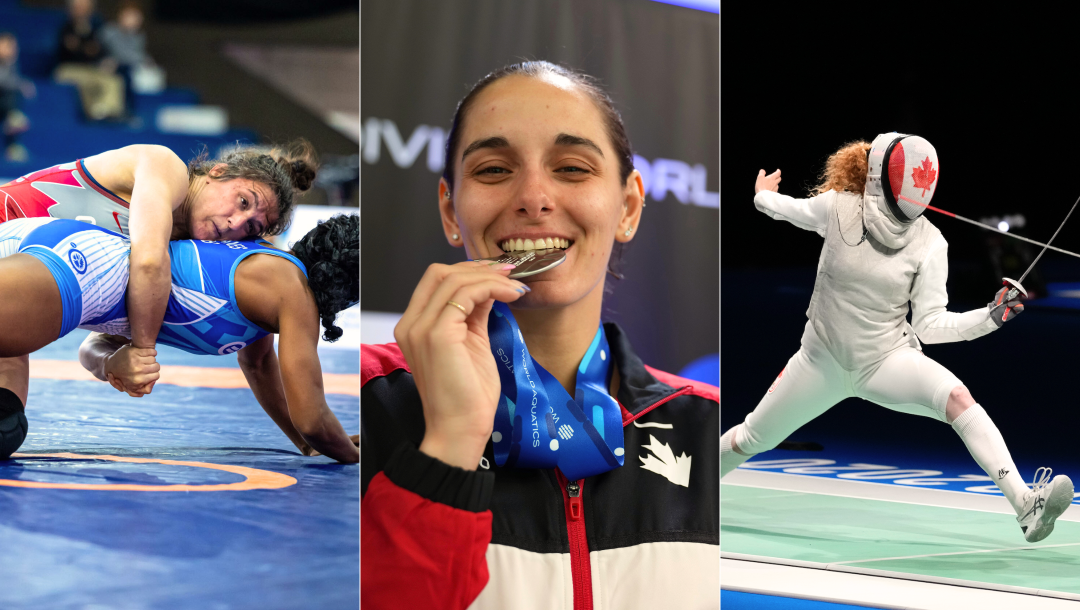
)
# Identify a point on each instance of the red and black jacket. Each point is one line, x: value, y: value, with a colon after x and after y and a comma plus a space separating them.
x: 436, y: 536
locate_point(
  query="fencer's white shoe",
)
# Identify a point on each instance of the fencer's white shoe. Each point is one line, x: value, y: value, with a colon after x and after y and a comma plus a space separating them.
x: 1044, y: 503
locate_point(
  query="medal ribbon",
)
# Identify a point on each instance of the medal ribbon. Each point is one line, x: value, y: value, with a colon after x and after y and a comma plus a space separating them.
x: 538, y: 424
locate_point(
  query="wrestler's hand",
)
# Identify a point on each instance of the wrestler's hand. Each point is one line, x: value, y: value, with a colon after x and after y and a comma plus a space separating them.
x: 1002, y: 310
x: 450, y: 357
x: 135, y: 392
x: 133, y: 370
x: 309, y: 452
x: 767, y: 183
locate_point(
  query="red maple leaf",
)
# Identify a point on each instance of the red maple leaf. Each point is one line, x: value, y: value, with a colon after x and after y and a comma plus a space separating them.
x: 924, y: 176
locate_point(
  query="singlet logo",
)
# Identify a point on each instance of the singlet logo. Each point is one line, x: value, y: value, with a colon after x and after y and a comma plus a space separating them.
x: 78, y: 261
x: 230, y: 348
x: 232, y: 245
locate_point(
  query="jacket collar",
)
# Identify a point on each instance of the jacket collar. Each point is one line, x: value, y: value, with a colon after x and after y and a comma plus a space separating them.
x: 639, y: 390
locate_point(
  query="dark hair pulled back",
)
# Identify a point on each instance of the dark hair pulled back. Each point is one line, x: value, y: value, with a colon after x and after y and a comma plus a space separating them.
x: 588, y: 85
x: 331, y: 253
x: 285, y: 169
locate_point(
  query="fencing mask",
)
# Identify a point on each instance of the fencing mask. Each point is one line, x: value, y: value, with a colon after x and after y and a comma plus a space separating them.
x: 901, y: 179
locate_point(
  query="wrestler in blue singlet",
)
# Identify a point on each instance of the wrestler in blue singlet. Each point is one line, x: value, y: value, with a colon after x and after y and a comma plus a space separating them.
x: 90, y: 265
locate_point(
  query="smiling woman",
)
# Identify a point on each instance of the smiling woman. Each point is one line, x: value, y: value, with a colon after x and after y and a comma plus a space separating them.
x: 508, y: 431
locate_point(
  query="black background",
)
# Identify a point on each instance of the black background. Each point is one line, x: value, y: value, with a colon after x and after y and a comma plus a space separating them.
x: 998, y: 97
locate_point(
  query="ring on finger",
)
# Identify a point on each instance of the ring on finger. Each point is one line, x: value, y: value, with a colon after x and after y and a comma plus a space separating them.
x: 459, y: 306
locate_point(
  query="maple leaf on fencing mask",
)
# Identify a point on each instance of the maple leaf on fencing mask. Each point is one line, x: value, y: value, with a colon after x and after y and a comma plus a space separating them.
x: 924, y: 176
x: 665, y: 464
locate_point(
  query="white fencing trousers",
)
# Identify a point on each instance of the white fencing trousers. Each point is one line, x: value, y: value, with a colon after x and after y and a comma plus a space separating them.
x: 813, y: 381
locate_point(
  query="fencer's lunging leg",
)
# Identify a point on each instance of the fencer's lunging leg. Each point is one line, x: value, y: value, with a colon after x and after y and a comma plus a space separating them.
x: 986, y: 444
x: 810, y: 384
x: 908, y: 381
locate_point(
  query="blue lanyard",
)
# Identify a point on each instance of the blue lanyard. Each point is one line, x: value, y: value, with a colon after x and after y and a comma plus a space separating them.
x: 538, y: 424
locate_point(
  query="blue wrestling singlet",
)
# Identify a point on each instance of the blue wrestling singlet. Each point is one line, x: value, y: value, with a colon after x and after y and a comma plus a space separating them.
x: 202, y: 316
x: 91, y: 266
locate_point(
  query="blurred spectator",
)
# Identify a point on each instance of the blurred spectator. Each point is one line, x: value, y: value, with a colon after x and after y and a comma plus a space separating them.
x: 125, y: 45
x: 13, y: 87
x: 84, y: 64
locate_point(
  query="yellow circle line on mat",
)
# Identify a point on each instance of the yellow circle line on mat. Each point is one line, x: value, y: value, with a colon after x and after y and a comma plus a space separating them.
x: 253, y: 478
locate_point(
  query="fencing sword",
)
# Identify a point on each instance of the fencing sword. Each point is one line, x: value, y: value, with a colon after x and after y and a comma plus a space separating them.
x: 1015, y: 286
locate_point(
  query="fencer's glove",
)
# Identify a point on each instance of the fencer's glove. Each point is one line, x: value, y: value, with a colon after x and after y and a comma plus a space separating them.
x: 1001, y: 311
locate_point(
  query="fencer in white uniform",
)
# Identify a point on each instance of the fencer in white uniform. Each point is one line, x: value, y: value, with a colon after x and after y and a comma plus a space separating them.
x: 880, y: 255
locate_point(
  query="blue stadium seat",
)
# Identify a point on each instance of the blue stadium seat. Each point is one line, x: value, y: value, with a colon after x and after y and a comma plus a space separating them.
x: 57, y: 132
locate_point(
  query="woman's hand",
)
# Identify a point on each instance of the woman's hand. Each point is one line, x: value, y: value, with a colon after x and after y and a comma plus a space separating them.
x: 133, y: 370
x: 450, y: 356
x: 307, y: 450
x: 767, y: 183
x: 1002, y: 308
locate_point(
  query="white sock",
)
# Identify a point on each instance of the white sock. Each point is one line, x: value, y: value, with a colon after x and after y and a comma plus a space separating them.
x: 729, y: 458
x: 984, y: 442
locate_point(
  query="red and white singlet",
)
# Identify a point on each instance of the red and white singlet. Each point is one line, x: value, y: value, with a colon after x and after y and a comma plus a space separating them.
x: 64, y: 191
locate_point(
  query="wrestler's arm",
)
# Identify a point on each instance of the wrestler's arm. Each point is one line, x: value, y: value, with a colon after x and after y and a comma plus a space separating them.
x: 301, y: 375
x: 259, y: 363
x: 930, y: 319
x: 273, y: 293
x: 157, y: 182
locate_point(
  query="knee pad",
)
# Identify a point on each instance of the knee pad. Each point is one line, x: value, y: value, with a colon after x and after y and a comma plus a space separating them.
x: 13, y: 424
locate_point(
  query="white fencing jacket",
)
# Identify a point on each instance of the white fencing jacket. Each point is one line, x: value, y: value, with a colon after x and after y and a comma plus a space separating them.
x: 861, y: 297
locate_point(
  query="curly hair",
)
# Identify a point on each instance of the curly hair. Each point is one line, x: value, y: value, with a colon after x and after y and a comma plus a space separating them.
x: 331, y: 253
x: 845, y: 169
x: 285, y: 169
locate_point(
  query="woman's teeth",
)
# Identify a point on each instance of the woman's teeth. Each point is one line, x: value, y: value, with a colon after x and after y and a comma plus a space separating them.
x: 513, y: 245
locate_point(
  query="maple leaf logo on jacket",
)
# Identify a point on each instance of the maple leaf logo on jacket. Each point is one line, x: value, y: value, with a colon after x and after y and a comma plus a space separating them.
x: 664, y: 462
x: 924, y: 176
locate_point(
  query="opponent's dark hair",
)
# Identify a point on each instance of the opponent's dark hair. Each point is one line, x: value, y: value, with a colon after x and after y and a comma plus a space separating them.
x: 285, y: 169
x: 331, y: 253
x: 588, y: 85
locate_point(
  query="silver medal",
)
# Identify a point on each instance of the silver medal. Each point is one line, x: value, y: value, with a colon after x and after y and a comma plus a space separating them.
x: 530, y: 262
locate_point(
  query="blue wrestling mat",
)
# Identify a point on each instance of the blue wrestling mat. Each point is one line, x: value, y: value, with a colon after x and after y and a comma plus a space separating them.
x: 187, y: 498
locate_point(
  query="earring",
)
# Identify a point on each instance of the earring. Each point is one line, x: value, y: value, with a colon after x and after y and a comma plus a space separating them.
x: 447, y: 193
x: 454, y: 237
x: 627, y: 234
